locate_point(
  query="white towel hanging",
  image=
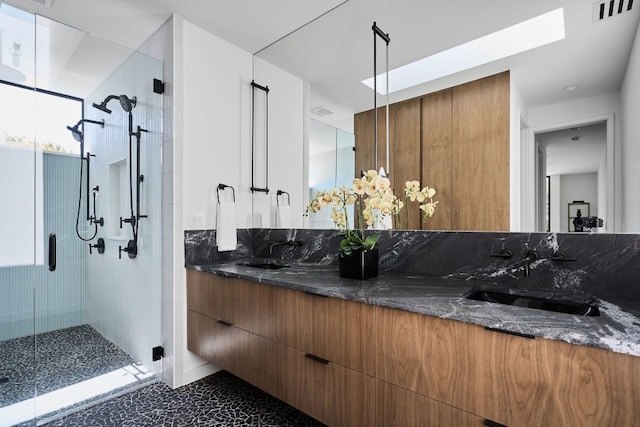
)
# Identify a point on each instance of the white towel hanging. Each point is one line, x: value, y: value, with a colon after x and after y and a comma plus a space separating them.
x: 226, y: 232
x: 283, y: 216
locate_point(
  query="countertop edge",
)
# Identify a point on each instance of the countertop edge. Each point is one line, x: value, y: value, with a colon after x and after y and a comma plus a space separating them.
x: 615, y: 330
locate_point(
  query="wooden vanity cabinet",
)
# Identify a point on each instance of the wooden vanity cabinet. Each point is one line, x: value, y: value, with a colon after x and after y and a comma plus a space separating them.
x: 334, y: 329
x: 244, y: 354
x: 230, y: 322
x: 398, y: 407
x: 242, y: 303
x: 329, y: 392
x: 433, y: 357
x: 352, y: 364
x: 326, y: 357
x: 509, y: 379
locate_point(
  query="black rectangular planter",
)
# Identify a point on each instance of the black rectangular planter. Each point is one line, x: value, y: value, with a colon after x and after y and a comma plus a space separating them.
x: 358, y: 265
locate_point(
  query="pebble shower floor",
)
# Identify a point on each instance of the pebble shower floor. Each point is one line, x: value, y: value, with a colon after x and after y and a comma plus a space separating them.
x: 70, y: 356
x: 63, y: 358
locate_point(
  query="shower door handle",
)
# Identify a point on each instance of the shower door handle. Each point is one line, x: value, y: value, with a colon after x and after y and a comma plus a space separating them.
x: 52, y: 251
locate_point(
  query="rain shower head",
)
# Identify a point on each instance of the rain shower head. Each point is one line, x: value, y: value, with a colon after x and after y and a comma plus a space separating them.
x: 126, y: 103
x: 103, y: 105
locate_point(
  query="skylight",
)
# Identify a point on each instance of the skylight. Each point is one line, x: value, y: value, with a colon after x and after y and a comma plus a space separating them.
x: 526, y: 35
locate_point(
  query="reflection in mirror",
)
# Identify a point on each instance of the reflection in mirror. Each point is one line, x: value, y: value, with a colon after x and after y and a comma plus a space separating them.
x: 333, y: 53
x: 331, y: 165
x: 572, y: 167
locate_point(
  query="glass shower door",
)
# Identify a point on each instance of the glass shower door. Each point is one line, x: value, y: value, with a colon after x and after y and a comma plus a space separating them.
x: 82, y: 325
x: 22, y: 246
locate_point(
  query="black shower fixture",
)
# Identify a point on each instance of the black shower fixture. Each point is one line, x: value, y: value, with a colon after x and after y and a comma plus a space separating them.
x: 126, y: 103
x: 78, y: 135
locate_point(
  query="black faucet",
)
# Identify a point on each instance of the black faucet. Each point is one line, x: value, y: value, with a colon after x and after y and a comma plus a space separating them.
x: 529, y: 257
x: 283, y: 243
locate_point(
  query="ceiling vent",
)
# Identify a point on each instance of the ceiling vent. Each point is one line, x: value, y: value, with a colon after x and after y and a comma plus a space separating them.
x: 45, y: 3
x: 604, y: 10
x: 321, y: 111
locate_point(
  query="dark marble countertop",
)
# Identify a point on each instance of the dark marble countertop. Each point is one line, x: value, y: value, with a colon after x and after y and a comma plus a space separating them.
x: 616, y: 329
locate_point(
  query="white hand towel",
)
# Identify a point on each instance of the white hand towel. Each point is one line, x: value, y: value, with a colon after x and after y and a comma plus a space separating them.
x: 283, y: 216
x: 226, y: 234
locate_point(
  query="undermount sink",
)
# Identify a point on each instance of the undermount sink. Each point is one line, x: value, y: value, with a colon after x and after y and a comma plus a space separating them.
x: 542, y: 301
x: 266, y: 265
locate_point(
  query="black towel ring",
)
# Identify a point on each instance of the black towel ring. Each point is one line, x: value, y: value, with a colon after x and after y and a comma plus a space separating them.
x: 280, y: 193
x: 223, y: 187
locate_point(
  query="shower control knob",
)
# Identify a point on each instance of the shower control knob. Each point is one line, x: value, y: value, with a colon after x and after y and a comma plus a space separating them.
x: 131, y: 221
x: 131, y: 249
x: 99, y: 246
x: 99, y: 221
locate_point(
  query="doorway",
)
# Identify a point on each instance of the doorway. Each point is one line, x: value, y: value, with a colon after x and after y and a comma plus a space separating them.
x: 574, y: 165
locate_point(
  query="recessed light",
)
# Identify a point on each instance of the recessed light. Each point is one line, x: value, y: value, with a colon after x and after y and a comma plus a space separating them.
x: 571, y: 87
x: 535, y: 32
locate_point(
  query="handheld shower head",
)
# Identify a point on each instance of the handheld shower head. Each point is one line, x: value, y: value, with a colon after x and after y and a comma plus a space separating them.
x: 78, y: 135
x: 126, y: 103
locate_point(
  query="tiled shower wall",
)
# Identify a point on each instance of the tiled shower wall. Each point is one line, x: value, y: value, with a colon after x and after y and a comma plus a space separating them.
x: 125, y: 295
x: 60, y: 295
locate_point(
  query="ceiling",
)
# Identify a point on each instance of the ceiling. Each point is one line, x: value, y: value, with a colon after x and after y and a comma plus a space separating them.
x: 574, y: 150
x: 329, y: 42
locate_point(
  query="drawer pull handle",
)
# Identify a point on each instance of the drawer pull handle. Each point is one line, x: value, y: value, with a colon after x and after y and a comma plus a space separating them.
x: 490, y: 423
x: 316, y: 358
x: 517, y: 334
x: 223, y: 323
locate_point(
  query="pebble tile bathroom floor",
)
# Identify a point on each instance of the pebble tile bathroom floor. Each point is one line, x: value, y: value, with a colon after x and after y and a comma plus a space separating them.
x: 220, y: 399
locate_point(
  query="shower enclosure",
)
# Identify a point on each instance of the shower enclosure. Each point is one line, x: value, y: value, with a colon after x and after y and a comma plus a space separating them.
x: 80, y: 318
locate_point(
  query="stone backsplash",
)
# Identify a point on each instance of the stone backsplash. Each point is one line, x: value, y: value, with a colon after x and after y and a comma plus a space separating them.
x: 606, y: 265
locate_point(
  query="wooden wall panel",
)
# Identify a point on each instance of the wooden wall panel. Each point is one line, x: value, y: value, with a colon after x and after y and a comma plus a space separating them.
x: 463, y: 152
x: 405, y: 140
x: 436, y: 156
x: 363, y: 130
x: 481, y: 154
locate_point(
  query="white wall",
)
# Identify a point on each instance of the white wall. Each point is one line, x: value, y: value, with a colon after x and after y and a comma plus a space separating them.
x: 518, y: 200
x: 555, y: 214
x: 211, y: 128
x: 602, y: 190
x: 587, y: 110
x: 124, y: 295
x: 630, y: 99
x: 286, y: 157
x: 216, y: 133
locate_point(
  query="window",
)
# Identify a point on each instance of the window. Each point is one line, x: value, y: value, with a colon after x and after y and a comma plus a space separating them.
x: 38, y: 118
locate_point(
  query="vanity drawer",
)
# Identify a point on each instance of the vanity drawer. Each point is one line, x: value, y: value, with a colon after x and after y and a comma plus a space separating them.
x: 332, y: 328
x: 331, y: 393
x: 241, y: 303
x: 244, y: 354
x: 397, y: 407
x: 440, y: 359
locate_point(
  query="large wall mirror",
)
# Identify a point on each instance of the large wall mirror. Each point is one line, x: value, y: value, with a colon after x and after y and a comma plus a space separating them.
x: 566, y: 108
